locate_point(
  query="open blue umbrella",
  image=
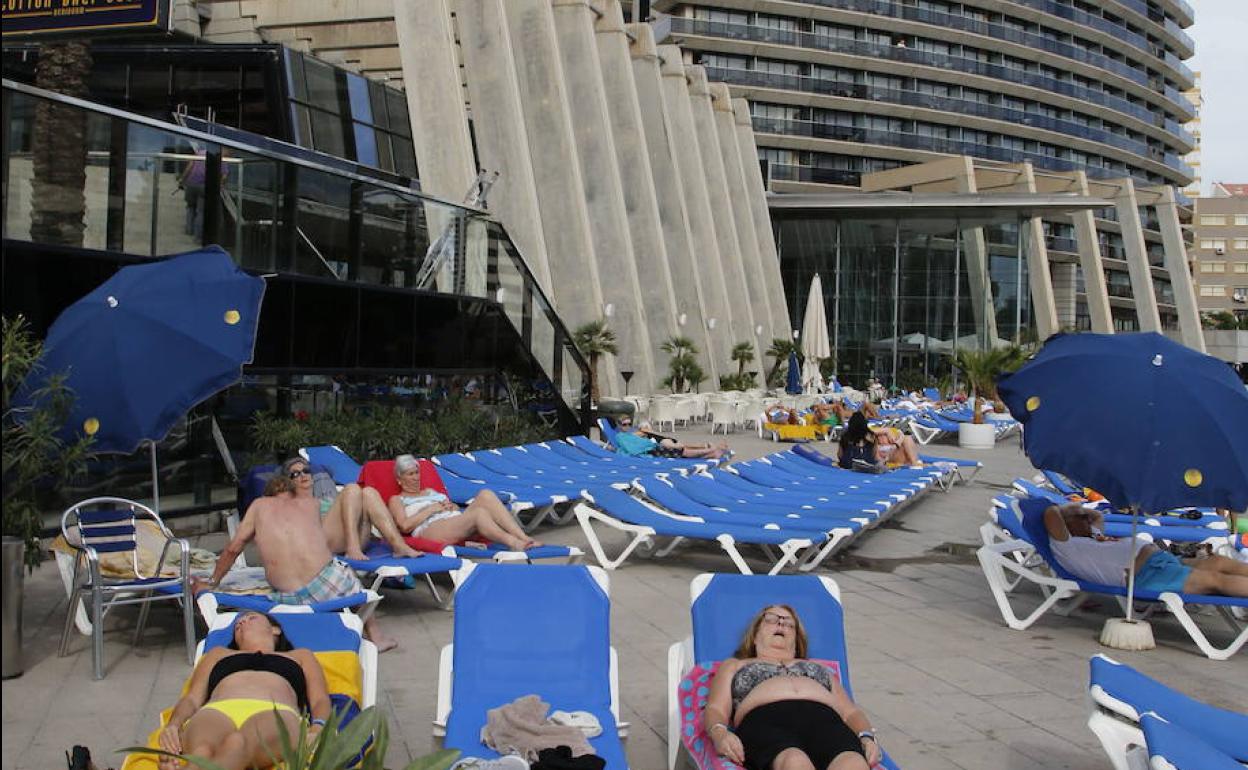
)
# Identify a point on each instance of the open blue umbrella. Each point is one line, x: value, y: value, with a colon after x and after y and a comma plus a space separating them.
x: 793, y: 385
x: 1147, y: 422
x: 150, y: 343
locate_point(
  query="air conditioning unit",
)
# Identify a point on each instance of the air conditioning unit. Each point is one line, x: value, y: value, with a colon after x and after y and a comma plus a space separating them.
x: 1240, y: 295
x: 1220, y: 250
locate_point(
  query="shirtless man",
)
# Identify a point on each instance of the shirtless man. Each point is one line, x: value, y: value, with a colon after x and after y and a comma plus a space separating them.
x: 294, y: 549
x: 348, y: 518
x: 1075, y: 535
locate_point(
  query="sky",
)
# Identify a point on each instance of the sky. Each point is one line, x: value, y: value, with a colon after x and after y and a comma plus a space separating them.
x: 1221, y: 35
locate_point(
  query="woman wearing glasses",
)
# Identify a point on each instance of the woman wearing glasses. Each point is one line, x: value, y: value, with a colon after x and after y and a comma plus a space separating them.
x: 772, y: 709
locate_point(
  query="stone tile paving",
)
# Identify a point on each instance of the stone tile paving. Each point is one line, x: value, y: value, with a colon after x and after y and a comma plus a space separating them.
x: 948, y: 684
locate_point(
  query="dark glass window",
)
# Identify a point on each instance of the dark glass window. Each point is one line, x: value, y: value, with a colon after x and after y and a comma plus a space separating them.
x: 366, y: 145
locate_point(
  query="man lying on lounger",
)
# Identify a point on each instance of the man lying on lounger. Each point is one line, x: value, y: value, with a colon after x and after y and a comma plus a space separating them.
x: 1075, y: 535
x: 294, y: 548
x: 646, y: 443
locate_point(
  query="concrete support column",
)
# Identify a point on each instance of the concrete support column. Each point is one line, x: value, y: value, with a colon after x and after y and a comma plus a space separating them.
x: 1094, y: 287
x: 1043, y: 309
x: 780, y: 325
x: 697, y: 198
x: 556, y: 170
x: 1128, y: 209
x: 439, y: 121
x: 740, y: 323
x: 659, y: 129
x: 1064, y: 279
x: 641, y: 205
x: 1180, y: 273
x: 600, y: 180
x: 498, y: 123
x: 743, y: 219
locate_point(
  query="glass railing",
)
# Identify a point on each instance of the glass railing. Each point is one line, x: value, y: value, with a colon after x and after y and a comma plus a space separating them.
x: 936, y: 144
x: 152, y: 188
x: 944, y: 104
x: 989, y: 29
x: 1083, y: 18
x: 909, y: 55
x: 795, y: 173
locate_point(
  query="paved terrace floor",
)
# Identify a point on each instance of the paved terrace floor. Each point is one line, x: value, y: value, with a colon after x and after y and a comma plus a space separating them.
x: 945, y: 681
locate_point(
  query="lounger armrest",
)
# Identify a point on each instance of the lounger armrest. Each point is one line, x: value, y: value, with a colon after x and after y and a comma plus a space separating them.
x: 679, y: 661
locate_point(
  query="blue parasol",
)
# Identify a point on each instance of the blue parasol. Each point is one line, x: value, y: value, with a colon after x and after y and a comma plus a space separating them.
x: 1147, y: 422
x: 150, y: 343
x: 793, y: 385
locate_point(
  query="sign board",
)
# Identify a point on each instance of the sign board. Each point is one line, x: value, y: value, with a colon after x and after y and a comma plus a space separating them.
x: 41, y: 17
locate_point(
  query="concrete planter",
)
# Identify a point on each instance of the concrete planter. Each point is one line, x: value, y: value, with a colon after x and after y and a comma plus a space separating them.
x: 11, y: 583
x: 972, y: 436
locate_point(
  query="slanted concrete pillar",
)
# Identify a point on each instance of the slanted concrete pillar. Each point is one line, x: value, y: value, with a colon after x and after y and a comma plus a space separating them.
x: 658, y: 299
x: 1043, y: 308
x: 557, y: 171
x: 1064, y: 278
x: 659, y: 128
x: 498, y: 123
x: 438, y: 118
x: 1128, y: 209
x: 1094, y: 288
x: 1180, y: 273
x: 780, y: 326
x: 600, y: 179
x: 697, y: 197
x: 743, y: 220
x: 740, y: 325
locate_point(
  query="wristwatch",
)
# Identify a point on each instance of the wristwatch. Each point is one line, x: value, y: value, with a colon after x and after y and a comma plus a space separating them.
x: 866, y: 734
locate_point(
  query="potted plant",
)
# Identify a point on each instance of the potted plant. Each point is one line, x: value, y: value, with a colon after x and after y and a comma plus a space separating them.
x: 594, y: 340
x: 36, y: 460
x: 981, y: 368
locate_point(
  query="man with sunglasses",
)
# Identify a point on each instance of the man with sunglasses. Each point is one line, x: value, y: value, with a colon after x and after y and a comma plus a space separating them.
x: 295, y: 548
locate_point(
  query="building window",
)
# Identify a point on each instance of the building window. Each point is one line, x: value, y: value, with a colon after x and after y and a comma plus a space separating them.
x: 1240, y: 243
x: 1241, y: 220
x: 1212, y: 219
x: 1213, y: 267
x: 1241, y: 267
x: 1213, y: 291
x: 1213, y: 243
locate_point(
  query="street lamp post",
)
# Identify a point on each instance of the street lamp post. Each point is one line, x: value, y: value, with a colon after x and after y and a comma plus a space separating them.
x: 627, y: 375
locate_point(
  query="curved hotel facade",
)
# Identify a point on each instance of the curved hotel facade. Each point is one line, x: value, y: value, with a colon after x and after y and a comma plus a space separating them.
x: 1058, y: 97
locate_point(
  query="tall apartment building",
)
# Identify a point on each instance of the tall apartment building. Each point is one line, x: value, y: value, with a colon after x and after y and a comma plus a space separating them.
x: 1192, y: 159
x: 1221, y: 249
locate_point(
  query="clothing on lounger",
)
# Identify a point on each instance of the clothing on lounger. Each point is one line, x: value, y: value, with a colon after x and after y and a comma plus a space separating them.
x: 1096, y: 561
x: 273, y: 663
x: 239, y: 710
x: 334, y: 580
x: 752, y: 674
x: 1162, y: 572
x: 813, y: 727
x: 413, y: 504
x: 864, y: 452
x: 633, y: 445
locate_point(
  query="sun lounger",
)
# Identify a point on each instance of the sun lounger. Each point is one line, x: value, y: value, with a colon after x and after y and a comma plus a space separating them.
x: 525, y: 630
x: 721, y: 609
x: 340, y: 465
x: 1171, y: 747
x: 1119, y: 695
x: 645, y: 522
x: 349, y: 662
x: 661, y: 491
x: 659, y: 463
x: 1207, y: 529
x: 999, y: 562
x: 213, y: 604
x: 381, y: 563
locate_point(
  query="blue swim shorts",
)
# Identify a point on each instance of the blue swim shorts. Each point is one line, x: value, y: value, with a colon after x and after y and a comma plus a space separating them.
x: 1162, y: 572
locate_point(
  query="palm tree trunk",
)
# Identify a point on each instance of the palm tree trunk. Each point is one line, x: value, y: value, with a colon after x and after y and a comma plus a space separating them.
x: 58, y: 189
x: 593, y: 379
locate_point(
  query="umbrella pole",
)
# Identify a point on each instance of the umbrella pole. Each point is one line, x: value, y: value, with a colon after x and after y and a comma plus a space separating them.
x: 155, y: 480
x: 1128, y: 633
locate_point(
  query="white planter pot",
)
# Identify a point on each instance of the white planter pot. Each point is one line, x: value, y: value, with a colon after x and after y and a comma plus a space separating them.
x: 972, y: 436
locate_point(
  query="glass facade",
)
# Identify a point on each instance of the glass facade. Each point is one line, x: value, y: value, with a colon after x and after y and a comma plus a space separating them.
x: 899, y: 292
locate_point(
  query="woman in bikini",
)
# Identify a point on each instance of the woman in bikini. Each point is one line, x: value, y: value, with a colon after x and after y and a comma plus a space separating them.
x: 238, y: 694
x: 771, y: 709
x: 429, y: 513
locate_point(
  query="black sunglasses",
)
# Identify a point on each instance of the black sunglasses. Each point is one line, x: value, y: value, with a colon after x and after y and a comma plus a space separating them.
x: 301, y: 472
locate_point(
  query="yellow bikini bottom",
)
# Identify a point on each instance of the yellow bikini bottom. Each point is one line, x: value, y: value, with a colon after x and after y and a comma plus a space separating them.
x: 239, y: 710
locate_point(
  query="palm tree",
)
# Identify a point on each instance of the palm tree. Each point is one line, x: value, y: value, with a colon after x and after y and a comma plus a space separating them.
x: 683, y: 366
x: 594, y: 340
x: 742, y: 353
x: 981, y: 369
x: 58, y: 189
x: 780, y: 350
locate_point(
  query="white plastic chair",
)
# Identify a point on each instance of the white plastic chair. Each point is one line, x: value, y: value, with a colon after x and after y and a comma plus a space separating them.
x: 723, y: 413
x: 663, y: 410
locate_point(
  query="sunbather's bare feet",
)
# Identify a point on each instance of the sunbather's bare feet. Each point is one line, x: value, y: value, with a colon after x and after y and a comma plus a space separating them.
x: 385, y: 643
x: 531, y: 543
x: 354, y: 553
x: 405, y: 551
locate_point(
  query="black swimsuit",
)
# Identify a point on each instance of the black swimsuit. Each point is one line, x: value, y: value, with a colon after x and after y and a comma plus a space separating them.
x: 273, y: 663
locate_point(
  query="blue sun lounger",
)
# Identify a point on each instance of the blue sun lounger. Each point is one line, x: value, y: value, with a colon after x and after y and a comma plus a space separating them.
x: 722, y: 607
x: 340, y: 465
x: 1120, y: 695
x: 659, y: 463
x: 645, y: 523
x: 1171, y: 747
x: 661, y: 491
x: 212, y: 604
x: 1000, y: 563
x: 530, y: 630
x: 381, y: 563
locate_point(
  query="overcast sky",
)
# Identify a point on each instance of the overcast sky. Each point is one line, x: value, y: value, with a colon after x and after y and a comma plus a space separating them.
x: 1221, y: 35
